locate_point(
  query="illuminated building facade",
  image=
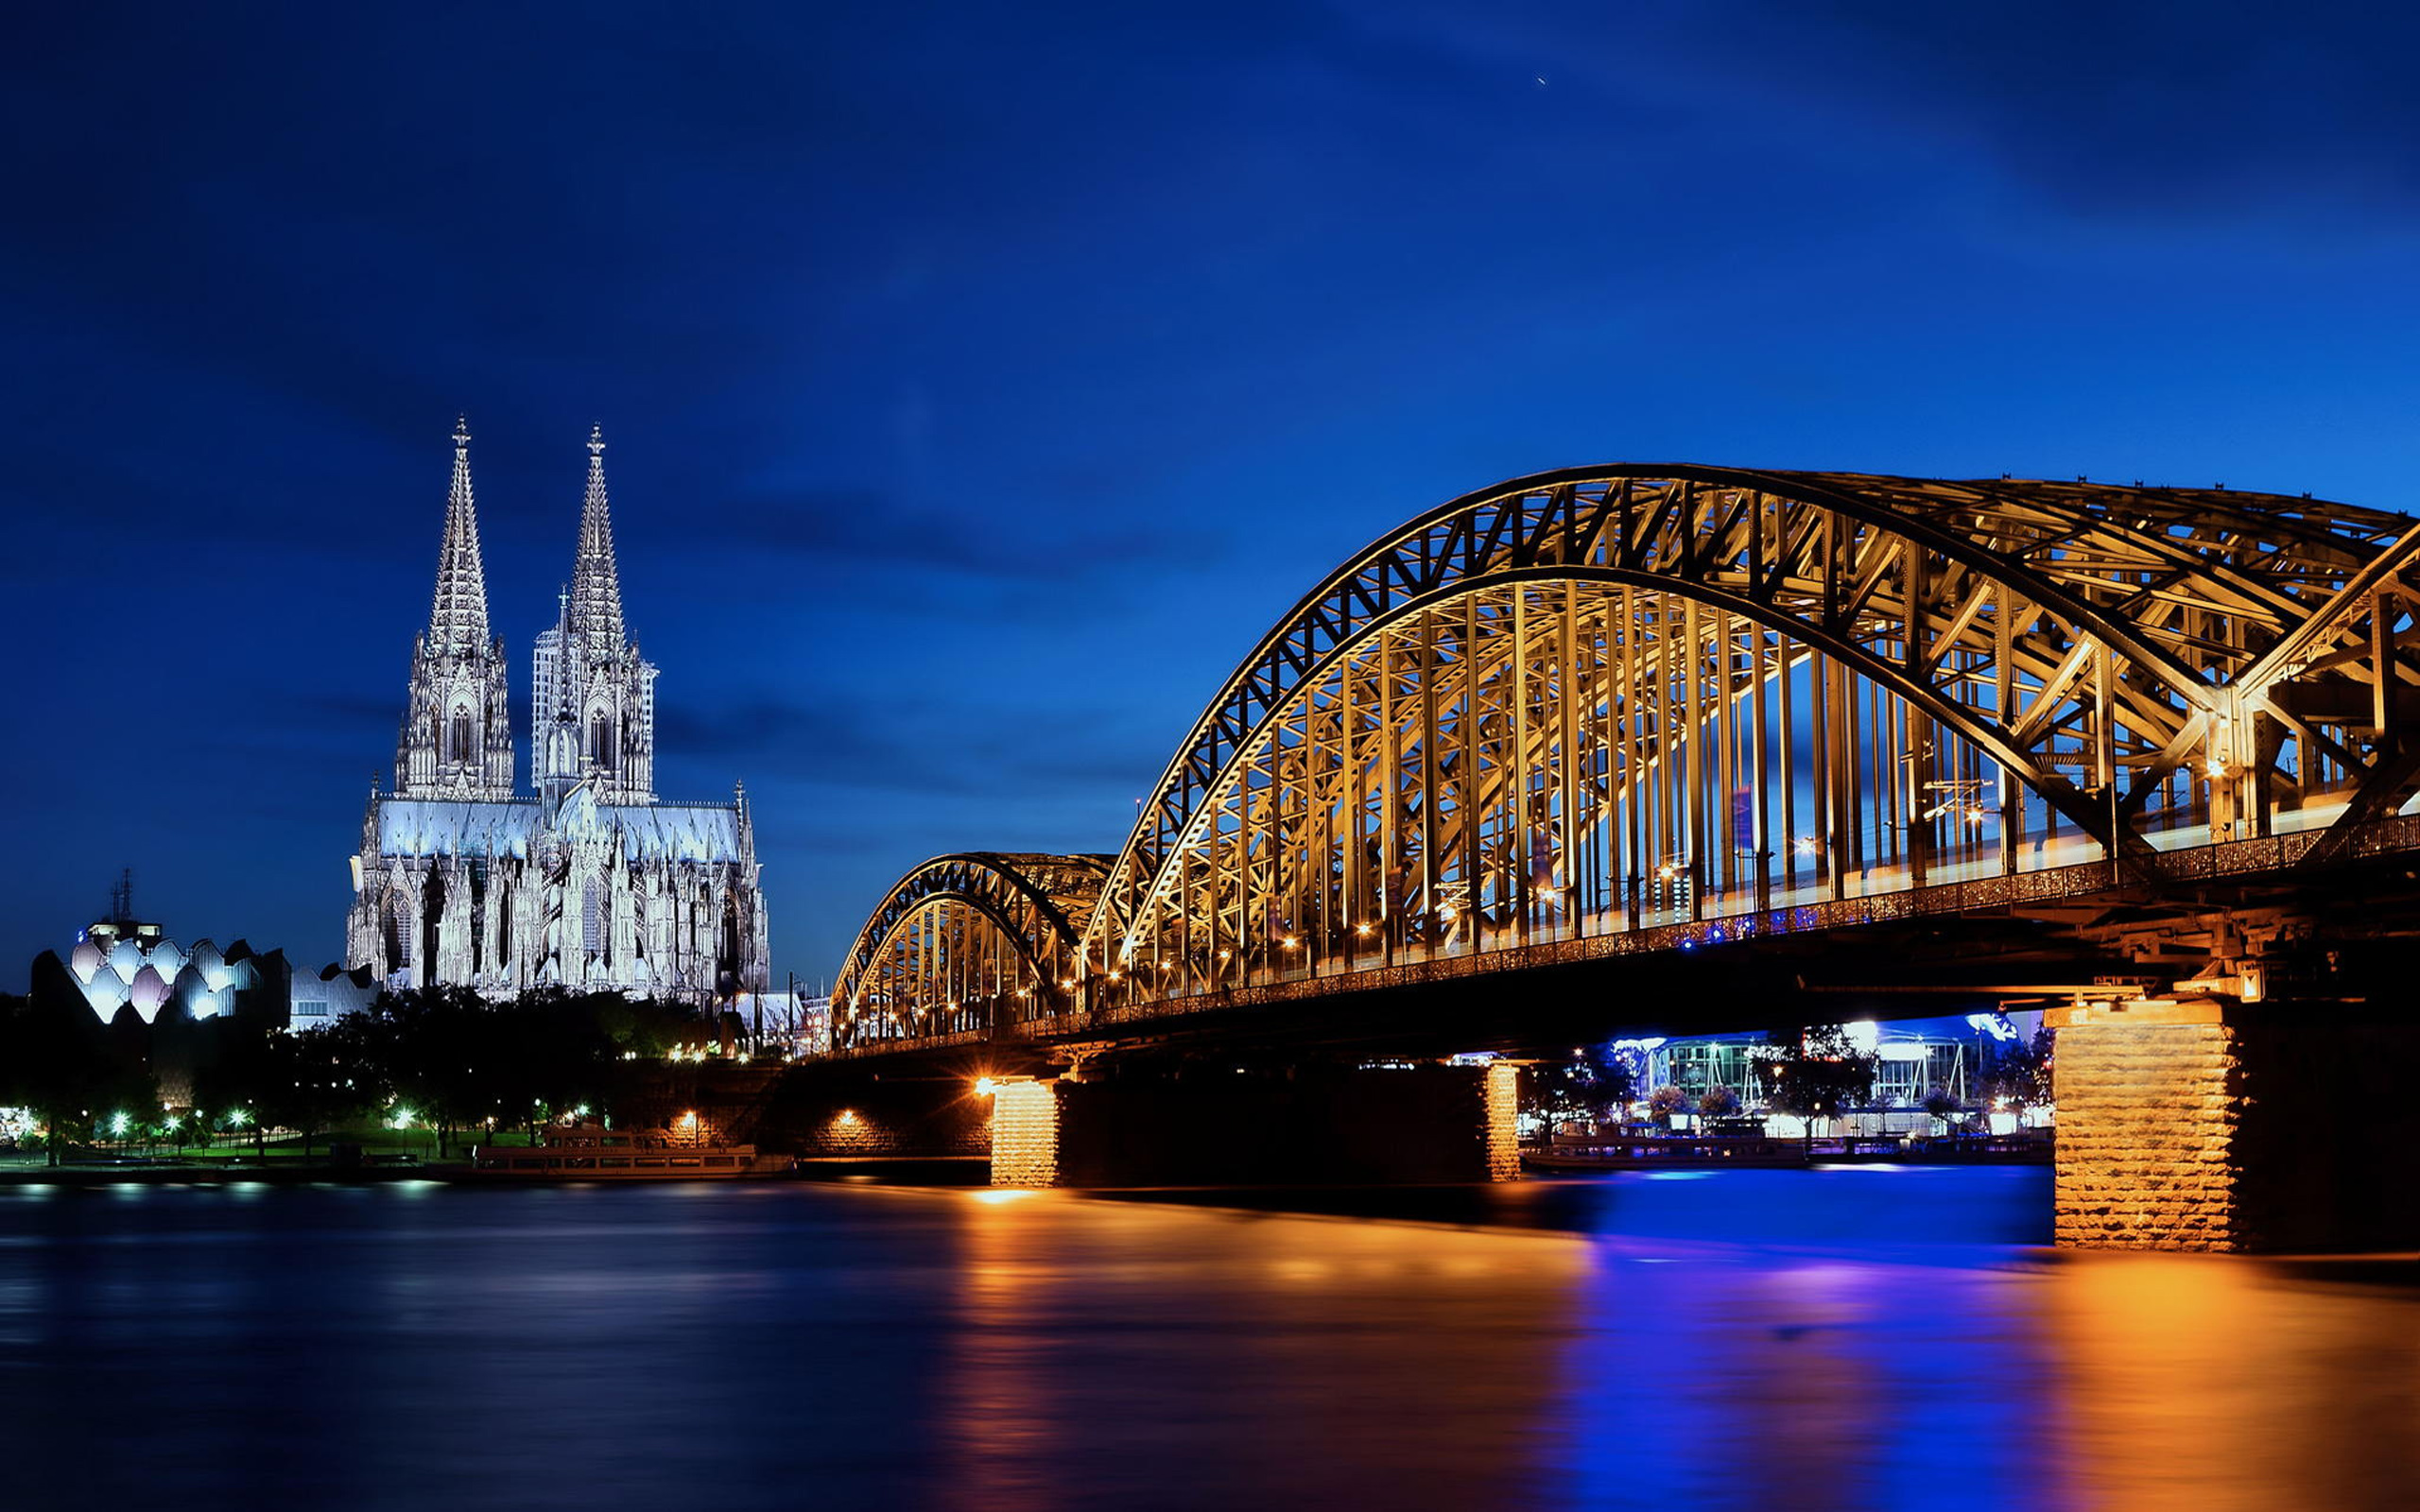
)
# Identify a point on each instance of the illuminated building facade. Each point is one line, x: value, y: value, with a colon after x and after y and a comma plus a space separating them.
x: 124, y: 964
x: 590, y: 881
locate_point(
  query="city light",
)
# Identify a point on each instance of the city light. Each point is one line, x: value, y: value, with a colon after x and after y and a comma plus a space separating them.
x: 985, y: 1086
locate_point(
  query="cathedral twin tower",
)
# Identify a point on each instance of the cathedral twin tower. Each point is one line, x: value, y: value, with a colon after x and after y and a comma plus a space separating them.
x: 593, y: 882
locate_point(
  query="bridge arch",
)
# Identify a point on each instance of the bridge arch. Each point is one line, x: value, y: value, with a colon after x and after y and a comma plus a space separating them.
x: 964, y: 940
x: 2107, y: 657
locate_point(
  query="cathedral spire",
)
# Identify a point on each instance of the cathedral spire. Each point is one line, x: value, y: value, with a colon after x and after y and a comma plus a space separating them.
x: 592, y: 622
x: 458, y: 619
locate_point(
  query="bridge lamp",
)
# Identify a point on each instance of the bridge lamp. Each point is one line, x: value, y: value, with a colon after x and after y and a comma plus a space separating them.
x: 1361, y: 929
x: 1226, y: 954
x: 985, y: 1086
x: 1808, y: 845
x: 1117, y: 977
x: 1291, y: 943
x: 1447, y: 911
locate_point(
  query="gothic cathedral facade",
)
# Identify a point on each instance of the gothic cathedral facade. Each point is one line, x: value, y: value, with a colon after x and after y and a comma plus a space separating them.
x: 590, y: 882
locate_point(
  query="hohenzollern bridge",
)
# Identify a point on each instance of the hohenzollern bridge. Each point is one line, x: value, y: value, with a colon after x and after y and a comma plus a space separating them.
x: 1680, y: 746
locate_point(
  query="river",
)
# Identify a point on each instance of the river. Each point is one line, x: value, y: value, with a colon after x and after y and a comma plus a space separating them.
x: 1867, y: 1337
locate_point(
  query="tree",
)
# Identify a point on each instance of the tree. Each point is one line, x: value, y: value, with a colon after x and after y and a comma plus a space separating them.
x: 1940, y: 1105
x: 58, y: 1059
x: 1668, y: 1100
x: 2021, y: 1074
x: 1815, y: 1071
x: 1718, y: 1102
x: 1592, y: 1086
x: 315, y: 1080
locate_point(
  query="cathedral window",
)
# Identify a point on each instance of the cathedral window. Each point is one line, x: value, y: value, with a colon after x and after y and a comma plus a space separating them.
x: 431, y: 920
x: 728, y: 962
x: 600, y: 740
x: 592, y: 918
x: 460, y: 750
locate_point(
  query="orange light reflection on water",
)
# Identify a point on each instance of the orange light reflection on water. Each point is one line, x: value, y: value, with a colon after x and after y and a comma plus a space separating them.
x: 2211, y: 1380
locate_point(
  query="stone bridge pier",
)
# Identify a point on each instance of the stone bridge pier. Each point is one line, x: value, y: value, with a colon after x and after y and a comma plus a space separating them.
x: 1208, y: 1125
x: 2210, y: 1125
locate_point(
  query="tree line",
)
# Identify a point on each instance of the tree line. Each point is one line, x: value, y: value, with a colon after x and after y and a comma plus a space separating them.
x: 451, y: 1060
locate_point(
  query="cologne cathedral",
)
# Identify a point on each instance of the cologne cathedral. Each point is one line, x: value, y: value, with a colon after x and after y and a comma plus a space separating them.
x: 588, y: 882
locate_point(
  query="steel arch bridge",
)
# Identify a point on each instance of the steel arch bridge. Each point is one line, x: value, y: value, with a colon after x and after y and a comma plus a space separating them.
x: 1594, y: 704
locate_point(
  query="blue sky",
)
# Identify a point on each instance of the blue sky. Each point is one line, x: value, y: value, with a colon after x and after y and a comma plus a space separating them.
x: 981, y: 382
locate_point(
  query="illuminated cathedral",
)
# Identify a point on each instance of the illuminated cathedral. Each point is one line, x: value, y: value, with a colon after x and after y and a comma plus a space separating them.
x: 589, y: 881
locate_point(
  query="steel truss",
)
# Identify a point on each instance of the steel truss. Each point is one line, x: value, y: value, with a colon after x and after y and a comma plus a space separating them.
x: 964, y: 942
x: 1607, y: 699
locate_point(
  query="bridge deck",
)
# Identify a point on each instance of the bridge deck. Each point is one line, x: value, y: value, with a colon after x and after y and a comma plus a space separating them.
x: 2074, y: 871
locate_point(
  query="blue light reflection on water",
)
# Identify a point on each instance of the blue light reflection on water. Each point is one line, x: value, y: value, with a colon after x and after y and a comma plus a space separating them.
x: 1766, y: 1339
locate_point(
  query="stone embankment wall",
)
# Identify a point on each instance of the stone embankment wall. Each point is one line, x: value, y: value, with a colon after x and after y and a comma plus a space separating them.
x: 815, y: 1112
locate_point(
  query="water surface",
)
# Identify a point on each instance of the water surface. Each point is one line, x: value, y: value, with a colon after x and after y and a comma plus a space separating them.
x: 1772, y: 1339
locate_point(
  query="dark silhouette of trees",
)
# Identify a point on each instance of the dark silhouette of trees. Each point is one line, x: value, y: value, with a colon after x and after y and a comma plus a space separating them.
x: 60, y: 1060
x: 456, y: 1062
x: 2021, y: 1073
x: 1592, y: 1086
x: 1815, y: 1071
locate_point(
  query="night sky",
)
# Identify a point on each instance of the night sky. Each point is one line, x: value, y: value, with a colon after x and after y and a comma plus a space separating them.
x: 981, y: 383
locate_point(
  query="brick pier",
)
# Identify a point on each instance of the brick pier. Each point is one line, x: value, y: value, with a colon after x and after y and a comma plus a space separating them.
x: 2199, y: 1125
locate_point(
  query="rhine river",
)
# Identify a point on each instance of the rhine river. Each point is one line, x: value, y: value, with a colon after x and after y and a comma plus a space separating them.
x: 1767, y: 1339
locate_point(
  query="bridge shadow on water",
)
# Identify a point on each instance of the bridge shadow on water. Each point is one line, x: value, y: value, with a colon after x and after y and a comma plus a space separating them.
x: 1920, y: 1211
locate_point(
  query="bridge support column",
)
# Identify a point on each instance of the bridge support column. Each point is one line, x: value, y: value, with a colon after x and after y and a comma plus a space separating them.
x: 1314, y: 1125
x: 1025, y: 1119
x: 2193, y: 1125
